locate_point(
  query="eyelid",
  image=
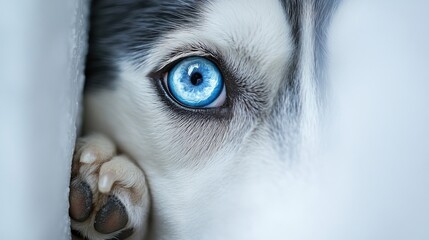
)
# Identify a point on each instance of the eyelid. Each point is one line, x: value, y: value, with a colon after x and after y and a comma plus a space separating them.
x: 180, y: 54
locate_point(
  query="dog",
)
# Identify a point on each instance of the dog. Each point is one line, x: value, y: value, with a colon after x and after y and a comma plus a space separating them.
x: 196, y: 113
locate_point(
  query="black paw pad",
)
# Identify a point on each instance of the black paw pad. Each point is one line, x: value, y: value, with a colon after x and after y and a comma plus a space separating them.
x: 80, y: 199
x: 111, y: 217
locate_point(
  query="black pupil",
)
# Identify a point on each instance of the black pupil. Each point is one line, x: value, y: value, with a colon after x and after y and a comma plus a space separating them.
x: 196, y: 79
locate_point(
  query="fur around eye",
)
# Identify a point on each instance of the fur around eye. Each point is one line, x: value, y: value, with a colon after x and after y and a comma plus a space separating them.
x: 196, y: 82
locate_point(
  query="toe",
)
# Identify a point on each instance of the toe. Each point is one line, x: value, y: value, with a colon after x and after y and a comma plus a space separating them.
x: 111, y: 217
x: 80, y: 201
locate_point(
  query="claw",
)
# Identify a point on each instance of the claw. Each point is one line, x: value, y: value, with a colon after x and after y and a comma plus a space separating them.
x: 88, y: 157
x: 105, y: 182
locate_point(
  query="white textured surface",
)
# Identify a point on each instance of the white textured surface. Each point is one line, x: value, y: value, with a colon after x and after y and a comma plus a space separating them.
x: 42, y: 45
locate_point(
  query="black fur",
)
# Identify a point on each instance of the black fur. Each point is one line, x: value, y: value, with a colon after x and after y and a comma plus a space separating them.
x: 127, y: 28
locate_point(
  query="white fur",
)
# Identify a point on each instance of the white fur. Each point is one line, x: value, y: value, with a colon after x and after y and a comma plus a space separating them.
x: 308, y: 93
x: 246, y: 189
x: 191, y: 195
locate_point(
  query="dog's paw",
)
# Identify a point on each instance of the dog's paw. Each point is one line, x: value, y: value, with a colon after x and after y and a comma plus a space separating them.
x: 109, y: 198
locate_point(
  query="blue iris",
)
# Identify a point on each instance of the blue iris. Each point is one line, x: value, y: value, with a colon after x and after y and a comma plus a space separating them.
x: 195, y: 82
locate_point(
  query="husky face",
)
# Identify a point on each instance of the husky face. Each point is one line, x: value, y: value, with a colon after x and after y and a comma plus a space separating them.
x: 210, y: 171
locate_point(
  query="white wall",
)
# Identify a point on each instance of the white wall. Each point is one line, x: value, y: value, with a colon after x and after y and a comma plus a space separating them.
x: 42, y: 44
x: 377, y: 166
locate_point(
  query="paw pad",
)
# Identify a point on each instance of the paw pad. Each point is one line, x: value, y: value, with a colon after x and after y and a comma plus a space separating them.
x: 111, y: 217
x: 80, y: 201
x: 108, y: 193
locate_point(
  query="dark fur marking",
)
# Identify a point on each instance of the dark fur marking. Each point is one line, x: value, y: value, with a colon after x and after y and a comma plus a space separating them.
x: 284, y: 122
x: 127, y: 29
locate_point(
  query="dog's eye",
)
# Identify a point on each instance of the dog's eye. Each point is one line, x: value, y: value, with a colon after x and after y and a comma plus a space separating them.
x: 196, y: 82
